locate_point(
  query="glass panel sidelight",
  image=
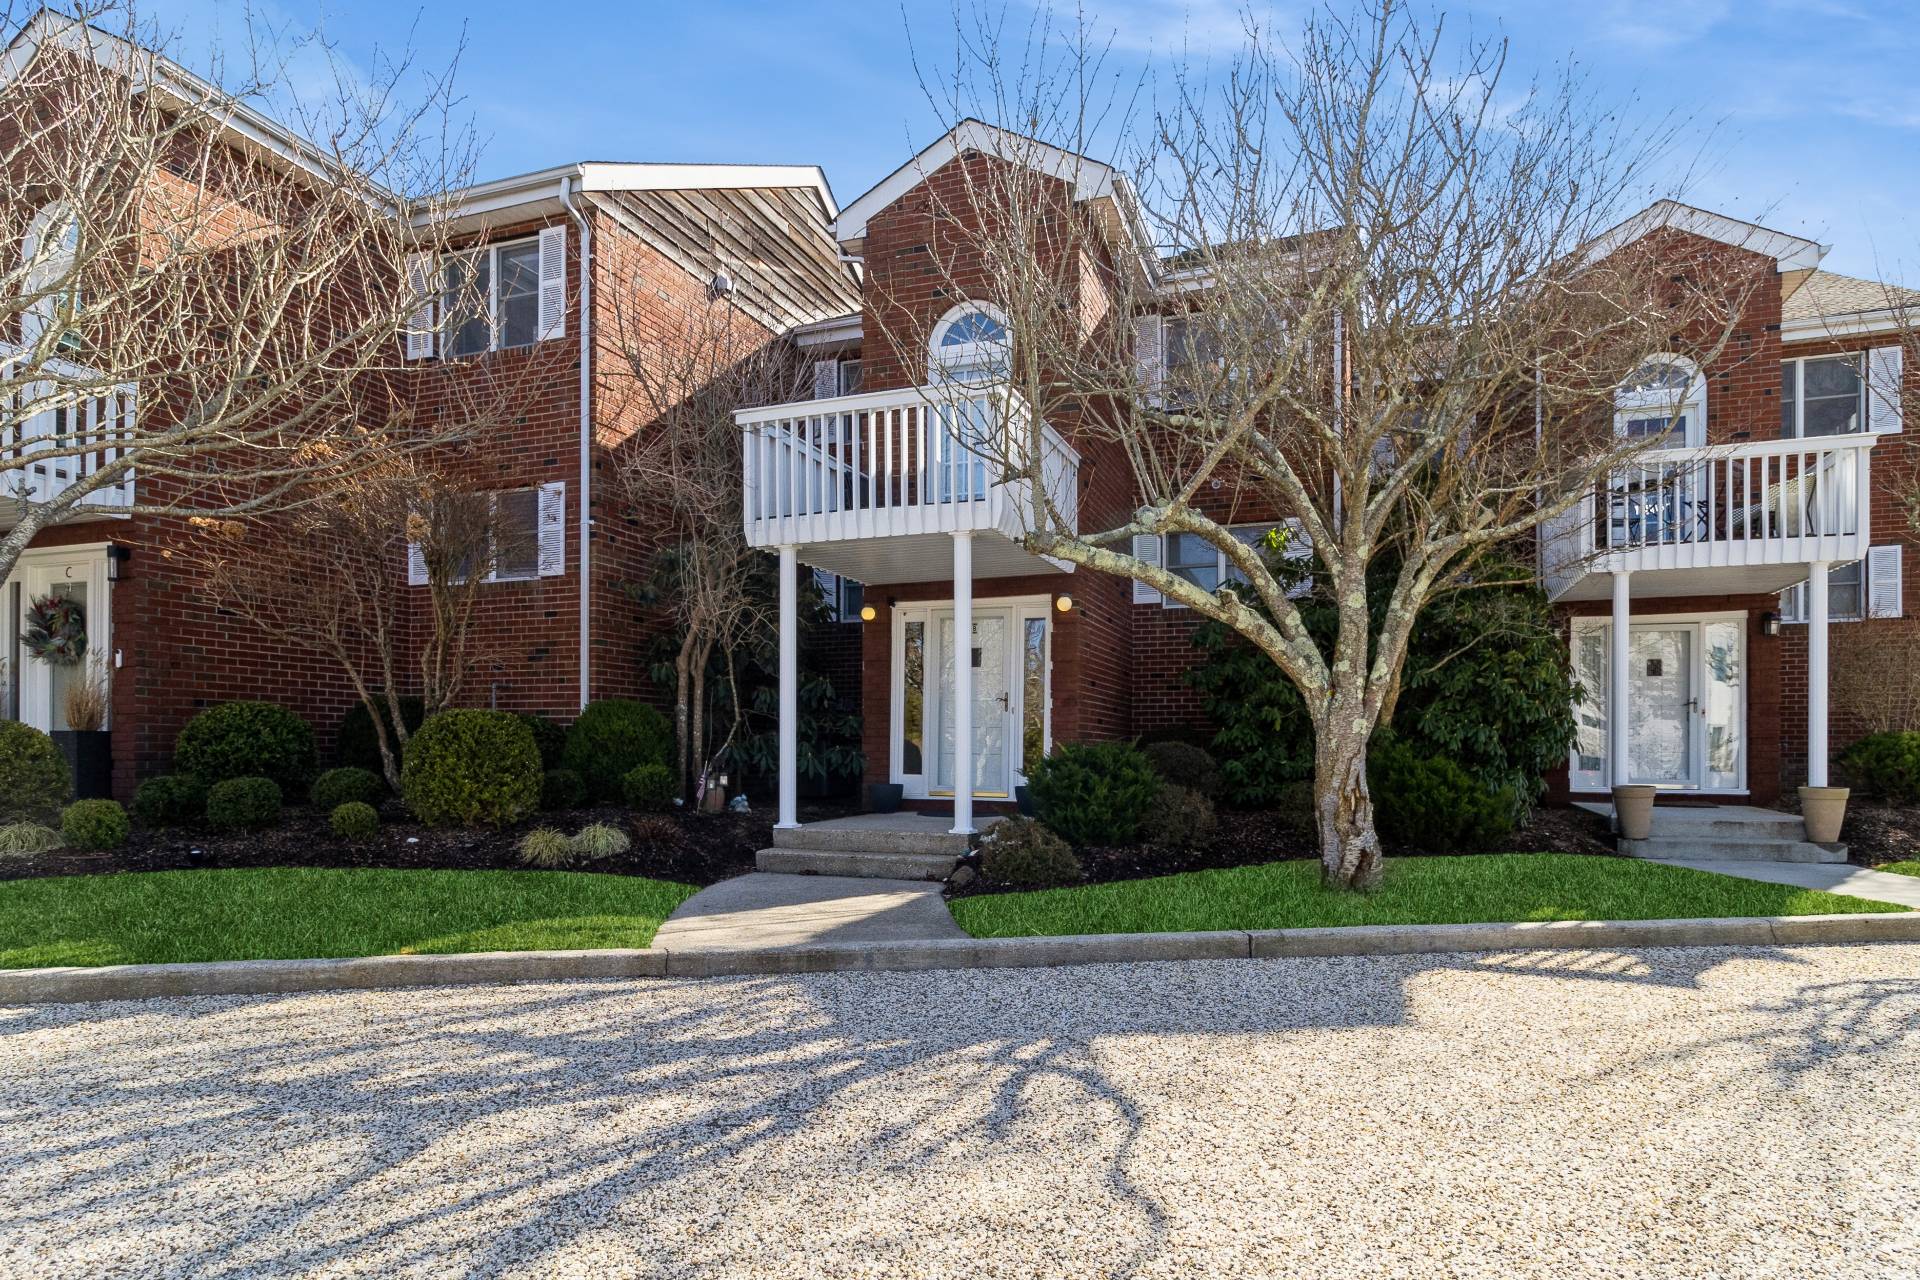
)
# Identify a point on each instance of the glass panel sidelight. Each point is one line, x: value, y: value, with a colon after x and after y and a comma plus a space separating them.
x: 1722, y: 646
x: 1590, y: 713
x: 914, y: 713
x: 1033, y: 693
x: 1659, y: 729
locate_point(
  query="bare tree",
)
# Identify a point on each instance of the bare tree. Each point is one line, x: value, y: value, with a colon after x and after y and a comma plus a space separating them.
x: 1389, y: 325
x: 676, y: 377
x: 198, y: 307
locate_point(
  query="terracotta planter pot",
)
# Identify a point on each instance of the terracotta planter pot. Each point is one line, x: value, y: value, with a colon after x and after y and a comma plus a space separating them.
x: 1823, y: 809
x: 1633, y: 811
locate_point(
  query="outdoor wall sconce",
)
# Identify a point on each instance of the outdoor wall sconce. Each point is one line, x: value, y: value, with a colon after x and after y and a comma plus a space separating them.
x: 868, y: 613
x: 117, y: 555
x: 1063, y: 603
x: 1769, y: 624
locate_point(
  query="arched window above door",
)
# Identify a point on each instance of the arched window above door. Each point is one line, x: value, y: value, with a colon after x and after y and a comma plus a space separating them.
x: 1664, y: 401
x: 971, y: 343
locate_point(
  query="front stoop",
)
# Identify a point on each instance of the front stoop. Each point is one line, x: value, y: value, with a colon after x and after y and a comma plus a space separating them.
x: 1729, y: 833
x: 891, y: 846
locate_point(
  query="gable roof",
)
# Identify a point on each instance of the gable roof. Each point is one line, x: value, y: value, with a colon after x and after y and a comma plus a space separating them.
x: 1789, y: 252
x: 1825, y: 294
x: 1092, y: 181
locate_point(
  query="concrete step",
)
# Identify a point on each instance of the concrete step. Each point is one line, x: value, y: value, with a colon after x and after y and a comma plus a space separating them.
x: 833, y: 837
x: 1704, y: 849
x: 1725, y: 824
x: 864, y: 863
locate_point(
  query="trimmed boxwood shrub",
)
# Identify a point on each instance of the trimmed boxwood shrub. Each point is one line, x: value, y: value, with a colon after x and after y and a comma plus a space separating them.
x: 1886, y: 765
x: 240, y: 803
x: 471, y: 768
x: 1094, y: 793
x: 169, y: 800
x: 1180, y: 818
x: 357, y: 745
x: 1430, y: 802
x: 1020, y: 851
x: 354, y: 820
x: 1181, y: 764
x: 549, y: 737
x: 346, y: 785
x: 247, y: 740
x: 648, y: 788
x: 561, y: 789
x: 35, y: 782
x: 95, y: 825
x: 611, y: 739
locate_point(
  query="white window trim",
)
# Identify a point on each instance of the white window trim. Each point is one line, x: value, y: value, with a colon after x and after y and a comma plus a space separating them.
x: 1859, y: 359
x: 1577, y: 780
x: 493, y: 251
x: 943, y: 361
x: 1629, y: 405
x: 1793, y: 601
x: 1296, y: 549
x: 543, y: 567
x: 918, y: 786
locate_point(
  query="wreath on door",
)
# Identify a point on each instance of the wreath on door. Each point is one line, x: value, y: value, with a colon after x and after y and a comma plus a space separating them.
x: 56, y: 631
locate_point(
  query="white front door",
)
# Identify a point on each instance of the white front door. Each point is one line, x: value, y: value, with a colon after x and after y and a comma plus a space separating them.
x: 992, y: 663
x: 1661, y: 706
x: 80, y: 576
x: 1011, y: 655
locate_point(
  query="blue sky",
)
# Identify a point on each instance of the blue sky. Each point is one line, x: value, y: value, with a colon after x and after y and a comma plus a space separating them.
x: 1805, y: 113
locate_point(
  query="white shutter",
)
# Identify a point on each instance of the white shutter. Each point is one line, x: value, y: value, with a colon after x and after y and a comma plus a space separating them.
x: 1149, y: 353
x: 1883, y: 390
x: 1146, y: 549
x: 1883, y: 582
x: 553, y: 282
x: 826, y: 379
x: 420, y: 324
x: 416, y: 565
x: 553, y: 529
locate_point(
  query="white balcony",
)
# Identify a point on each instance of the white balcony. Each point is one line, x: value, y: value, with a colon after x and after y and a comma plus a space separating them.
x: 55, y: 448
x: 1724, y: 520
x: 872, y: 485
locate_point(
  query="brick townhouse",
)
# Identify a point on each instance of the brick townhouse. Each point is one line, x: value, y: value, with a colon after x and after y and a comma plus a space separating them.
x: 1693, y: 611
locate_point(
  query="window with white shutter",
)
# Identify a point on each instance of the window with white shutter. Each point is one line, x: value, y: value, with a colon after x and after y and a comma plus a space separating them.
x: 416, y: 565
x: 1149, y: 353
x: 1883, y: 582
x: 1146, y: 549
x: 419, y: 336
x: 553, y: 282
x: 1885, y: 369
x: 1846, y: 589
x: 553, y: 529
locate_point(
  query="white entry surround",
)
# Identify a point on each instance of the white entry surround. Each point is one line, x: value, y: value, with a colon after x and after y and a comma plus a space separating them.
x: 77, y: 573
x: 1686, y: 722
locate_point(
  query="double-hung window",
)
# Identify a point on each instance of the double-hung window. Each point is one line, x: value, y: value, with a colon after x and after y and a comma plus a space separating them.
x: 1822, y: 396
x: 491, y: 298
x: 1190, y: 556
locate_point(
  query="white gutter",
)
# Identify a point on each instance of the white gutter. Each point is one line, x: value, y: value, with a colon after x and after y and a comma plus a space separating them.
x: 585, y: 485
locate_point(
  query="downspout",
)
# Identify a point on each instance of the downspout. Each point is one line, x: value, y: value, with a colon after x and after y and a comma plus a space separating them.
x: 585, y: 485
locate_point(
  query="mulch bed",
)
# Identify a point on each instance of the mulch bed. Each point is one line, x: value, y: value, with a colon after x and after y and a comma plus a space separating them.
x: 702, y: 848
x: 1875, y: 833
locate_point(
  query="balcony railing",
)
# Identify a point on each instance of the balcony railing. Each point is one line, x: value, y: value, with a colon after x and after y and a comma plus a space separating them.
x: 1767, y: 502
x: 895, y: 463
x: 53, y: 449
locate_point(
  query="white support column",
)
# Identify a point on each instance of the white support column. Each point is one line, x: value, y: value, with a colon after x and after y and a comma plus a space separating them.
x: 1619, y: 684
x: 1817, y: 675
x: 789, y: 687
x: 963, y: 683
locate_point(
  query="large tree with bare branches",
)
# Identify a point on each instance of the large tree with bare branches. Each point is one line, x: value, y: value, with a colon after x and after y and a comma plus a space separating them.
x: 199, y: 308
x: 1388, y: 323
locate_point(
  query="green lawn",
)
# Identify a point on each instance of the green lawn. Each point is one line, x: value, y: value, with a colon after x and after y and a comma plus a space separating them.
x: 1449, y: 890
x: 297, y: 913
x: 1908, y: 868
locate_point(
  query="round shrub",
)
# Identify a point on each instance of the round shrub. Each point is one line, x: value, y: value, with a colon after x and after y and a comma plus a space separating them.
x: 1094, y: 793
x: 1181, y: 764
x: 95, y: 825
x: 247, y: 740
x: 347, y: 785
x: 169, y: 800
x: 354, y: 820
x: 1430, y: 802
x: 358, y: 746
x: 1181, y: 817
x: 34, y: 779
x: 549, y: 737
x: 648, y: 788
x: 471, y: 768
x: 1886, y: 765
x: 545, y: 847
x: 240, y: 803
x: 600, y: 840
x: 1020, y: 851
x: 561, y: 789
x: 611, y: 739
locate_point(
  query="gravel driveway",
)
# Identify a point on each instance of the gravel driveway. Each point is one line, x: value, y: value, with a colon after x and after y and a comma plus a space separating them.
x: 1699, y: 1113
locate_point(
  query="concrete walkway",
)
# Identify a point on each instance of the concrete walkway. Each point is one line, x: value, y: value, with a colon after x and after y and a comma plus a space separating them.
x: 766, y: 909
x: 1834, y: 877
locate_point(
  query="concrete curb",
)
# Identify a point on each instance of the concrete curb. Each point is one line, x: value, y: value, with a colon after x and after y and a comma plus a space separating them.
x: 280, y: 977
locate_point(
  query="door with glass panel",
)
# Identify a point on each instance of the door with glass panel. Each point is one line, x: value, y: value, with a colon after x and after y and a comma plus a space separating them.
x: 989, y: 655
x: 1010, y: 657
x: 42, y: 686
x: 1686, y: 705
x: 1660, y: 706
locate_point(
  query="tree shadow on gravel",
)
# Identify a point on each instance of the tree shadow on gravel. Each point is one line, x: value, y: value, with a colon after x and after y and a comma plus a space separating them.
x: 474, y: 1131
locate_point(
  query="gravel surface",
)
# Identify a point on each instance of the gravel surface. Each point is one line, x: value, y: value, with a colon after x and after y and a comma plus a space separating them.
x: 1697, y: 1113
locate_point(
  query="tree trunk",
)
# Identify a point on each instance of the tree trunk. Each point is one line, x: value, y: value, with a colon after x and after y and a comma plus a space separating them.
x: 682, y: 713
x: 1350, y: 854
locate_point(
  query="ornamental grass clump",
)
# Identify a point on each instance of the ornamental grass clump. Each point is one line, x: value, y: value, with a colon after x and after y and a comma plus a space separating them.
x: 23, y: 839
x: 545, y: 847
x: 601, y: 840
